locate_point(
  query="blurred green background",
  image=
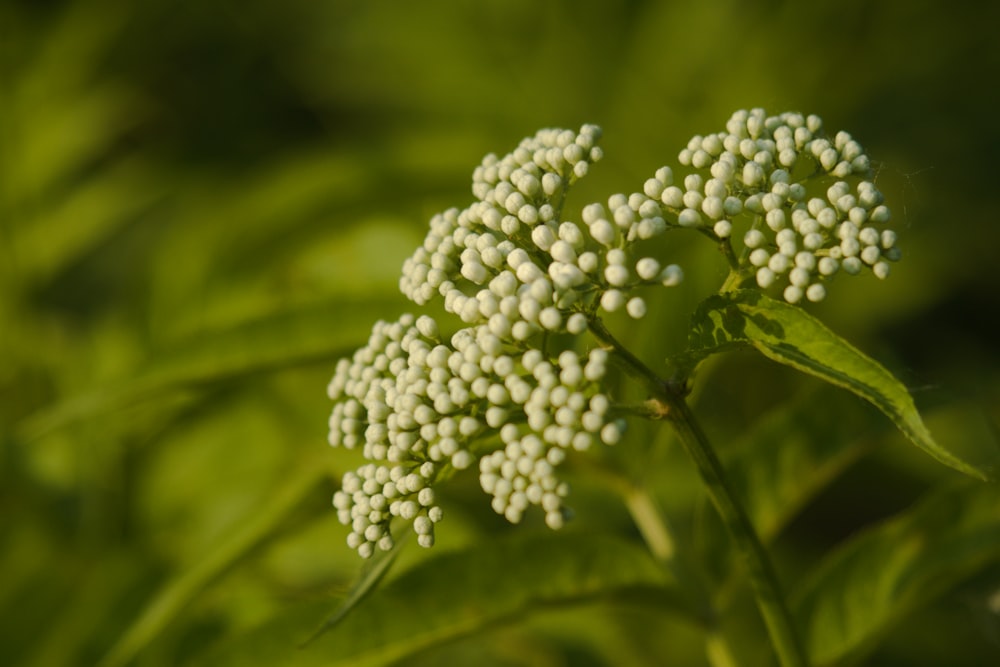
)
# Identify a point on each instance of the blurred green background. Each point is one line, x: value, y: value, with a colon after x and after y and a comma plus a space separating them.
x: 203, y: 204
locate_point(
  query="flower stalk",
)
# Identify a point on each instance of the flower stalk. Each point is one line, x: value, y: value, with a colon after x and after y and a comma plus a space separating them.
x: 763, y: 578
x: 673, y: 408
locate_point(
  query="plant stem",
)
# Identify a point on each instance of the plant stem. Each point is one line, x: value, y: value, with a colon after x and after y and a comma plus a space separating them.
x: 717, y: 651
x: 733, y: 281
x: 763, y: 579
x: 650, y: 523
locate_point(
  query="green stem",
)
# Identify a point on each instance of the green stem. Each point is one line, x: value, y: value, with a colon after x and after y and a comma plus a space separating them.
x: 654, y: 528
x: 718, y: 653
x: 733, y: 281
x: 763, y: 579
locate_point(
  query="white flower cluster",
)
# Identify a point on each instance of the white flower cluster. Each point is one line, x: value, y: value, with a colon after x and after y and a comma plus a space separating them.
x: 768, y: 168
x: 509, y: 262
x: 563, y: 412
x: 418, y: 407
x: 508, y: 266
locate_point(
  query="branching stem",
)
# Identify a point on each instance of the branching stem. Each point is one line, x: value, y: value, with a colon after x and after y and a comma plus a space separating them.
x: 673, y: 408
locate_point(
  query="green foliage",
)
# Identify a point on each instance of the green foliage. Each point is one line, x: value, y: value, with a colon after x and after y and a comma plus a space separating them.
x: 881, y: 575
x: 788, y: 335
x: 370, y: 577
x: 204, y: 204
x: 425, y: 608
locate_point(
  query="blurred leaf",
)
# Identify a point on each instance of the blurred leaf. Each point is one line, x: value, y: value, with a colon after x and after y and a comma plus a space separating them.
x: 200, y: 479
x: 278, y: 341
x: 179, y: 591
x: 453, y: 595
x: 874, y: 580
x: 624, y: 631
x: 86, y: 603
x: 253, y: 213
x: 278, y: 236
x: 59, y: 233
x: 355, y: 263
x: 785, y: 460
x: 373, y: 572
x: 794, y: 452
x: 64, y: 111
x: 790, y: 336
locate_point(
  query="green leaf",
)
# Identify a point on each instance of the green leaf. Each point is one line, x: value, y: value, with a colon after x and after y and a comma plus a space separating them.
x: 785, y: 459
x: 178, y: 592
x: 787, y: 334
x: 373, y: 572
x: 65, y: 230
x: 791, y: 454
x: 878, y: 577
x: 61, y: 112
x: 456, y: 594
x: 280, y: 340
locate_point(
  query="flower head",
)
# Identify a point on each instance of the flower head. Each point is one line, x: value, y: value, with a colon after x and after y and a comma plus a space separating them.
x: 421, y: 407
x: 502, y: 391
x: 511, y: 262
x: 811, y: 206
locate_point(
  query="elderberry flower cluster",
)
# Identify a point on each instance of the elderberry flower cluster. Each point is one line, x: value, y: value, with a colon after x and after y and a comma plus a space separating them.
x: 507, y: 393
x: 813, y: 210
x: 421, y: 407
x: 510, y: 262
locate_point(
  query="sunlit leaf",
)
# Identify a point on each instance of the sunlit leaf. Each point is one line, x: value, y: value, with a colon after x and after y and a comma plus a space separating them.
x: 790, y: 336
x: 878, y: 577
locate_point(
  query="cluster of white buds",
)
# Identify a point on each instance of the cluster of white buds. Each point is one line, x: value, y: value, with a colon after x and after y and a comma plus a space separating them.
x: 420, y: 407
x: 812, y: 210
x: 509, y: 262
x: 563, y: 412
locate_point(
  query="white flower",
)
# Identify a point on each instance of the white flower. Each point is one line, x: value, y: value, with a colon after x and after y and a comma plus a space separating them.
x: 419, y: 407
x: 512, y: 239
x: 772, y: 170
